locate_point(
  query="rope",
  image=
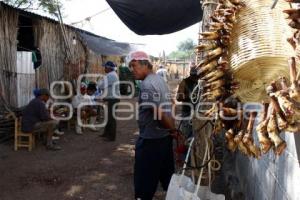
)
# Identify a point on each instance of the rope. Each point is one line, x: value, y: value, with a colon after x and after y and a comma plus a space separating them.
x: 210, y: 160
x: 213, y: 164
x: 197, y: 92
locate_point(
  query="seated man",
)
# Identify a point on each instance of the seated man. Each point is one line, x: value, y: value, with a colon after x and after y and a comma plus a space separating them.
x: 36, y: 118
x: 57, y: 131
x: 92, y: 93
x: 86, y: 111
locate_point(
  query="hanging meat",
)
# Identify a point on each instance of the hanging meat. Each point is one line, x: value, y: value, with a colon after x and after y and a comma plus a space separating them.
x: 215, y: 84
x: 214, y: 75
x: 210, y: 35
x: 248, y: 137
x: 273, y: 131
x: 241, y: 146
x: 206, y: 47
x: 230, y: 143
x: 293, y: 14
x: 293, y: 1
x: 213, y: 68
x: 238, y: 139
x: 294, y: 91
x: 219, y: 86
x: 262, y: 133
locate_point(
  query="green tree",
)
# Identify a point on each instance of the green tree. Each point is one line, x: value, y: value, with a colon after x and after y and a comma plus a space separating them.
x: 178, y: 55
x: 49, y: 6
x: 186, y: 45
x: 185, y: 50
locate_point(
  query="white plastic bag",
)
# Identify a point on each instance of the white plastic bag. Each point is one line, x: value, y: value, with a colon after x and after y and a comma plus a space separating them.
x: 183, y: 188
x: 205, y: 194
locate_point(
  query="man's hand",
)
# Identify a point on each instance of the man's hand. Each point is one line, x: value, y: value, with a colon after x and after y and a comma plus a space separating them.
x: 176, y: 134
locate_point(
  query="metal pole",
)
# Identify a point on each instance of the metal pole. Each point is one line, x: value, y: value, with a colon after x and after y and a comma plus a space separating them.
x: 274, y: 4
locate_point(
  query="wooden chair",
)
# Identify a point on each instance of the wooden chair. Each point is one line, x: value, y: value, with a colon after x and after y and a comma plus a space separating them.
x: 26, y: 140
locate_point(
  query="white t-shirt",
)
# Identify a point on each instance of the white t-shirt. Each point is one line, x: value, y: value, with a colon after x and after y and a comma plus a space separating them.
x: 106, y: 85
x: 163, y: 73
x: 79, y: 98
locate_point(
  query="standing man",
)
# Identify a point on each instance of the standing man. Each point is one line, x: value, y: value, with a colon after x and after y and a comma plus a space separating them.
x: 35, y: 117
x: 154, y: 160
x: 110, y: 87
x: 125, y: 75
x: 163, y: 73
x: 184, y: 93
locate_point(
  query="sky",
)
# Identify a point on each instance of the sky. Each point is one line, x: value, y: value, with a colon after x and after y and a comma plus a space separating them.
x: 108, y: 24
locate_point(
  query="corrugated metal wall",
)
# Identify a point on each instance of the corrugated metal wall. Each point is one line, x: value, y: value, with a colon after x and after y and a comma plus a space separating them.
x: 272, y: 178
x: 25, y: 78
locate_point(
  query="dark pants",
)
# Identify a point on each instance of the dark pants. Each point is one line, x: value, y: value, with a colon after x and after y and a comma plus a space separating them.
x: 123, y: 89
x: 154, y: 163
x: 111, y: 126
x: 48, y: 128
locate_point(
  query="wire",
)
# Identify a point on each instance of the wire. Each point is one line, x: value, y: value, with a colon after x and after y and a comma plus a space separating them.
x: 210, y: 160
x: 90, y: 17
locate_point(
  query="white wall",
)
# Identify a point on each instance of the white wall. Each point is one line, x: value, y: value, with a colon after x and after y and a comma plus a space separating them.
x: 25, y: 78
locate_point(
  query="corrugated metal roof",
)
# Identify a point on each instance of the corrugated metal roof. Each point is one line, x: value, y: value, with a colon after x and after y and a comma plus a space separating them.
x: 104, y: 46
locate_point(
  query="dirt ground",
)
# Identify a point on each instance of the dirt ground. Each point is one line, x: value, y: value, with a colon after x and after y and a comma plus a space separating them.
x: 87, y: 168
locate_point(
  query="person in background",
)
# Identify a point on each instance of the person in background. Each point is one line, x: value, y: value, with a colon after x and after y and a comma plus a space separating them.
x: 58, y: 131
x: 91, y: 89
x: 154, y: 161
x: 125, y: 75
x: 36, y: 92
x: 36, y: 118
x: 57, y: 110
x: 92, y: 109
x: 184, y: 92
x: 86, y: 111
x: 137, y: 87
x: 110, y: 87
x: 163, y: 73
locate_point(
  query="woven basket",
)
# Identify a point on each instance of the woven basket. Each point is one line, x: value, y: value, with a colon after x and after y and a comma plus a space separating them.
x: 259, y: 50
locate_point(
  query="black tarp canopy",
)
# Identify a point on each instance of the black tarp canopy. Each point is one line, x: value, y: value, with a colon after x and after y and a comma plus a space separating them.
x: 149, y: 17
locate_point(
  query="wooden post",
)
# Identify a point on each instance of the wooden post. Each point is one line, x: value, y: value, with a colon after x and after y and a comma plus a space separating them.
x: 197, y: 154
